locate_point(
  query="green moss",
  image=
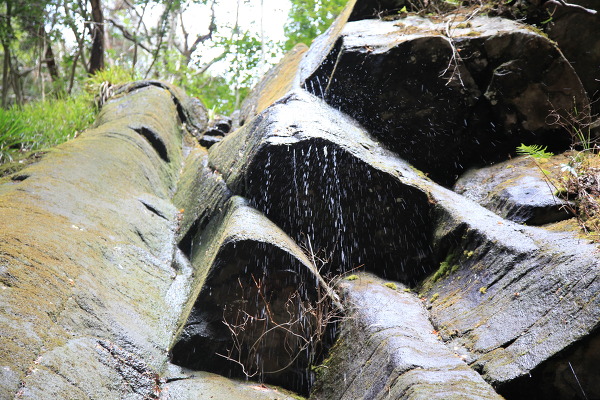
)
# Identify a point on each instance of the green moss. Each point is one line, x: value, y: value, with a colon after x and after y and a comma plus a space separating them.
x: 483, y: 290
x: 352, y: 277
x: 467, y: 253
x: 434, y: 297
x: 446, y: 267
x: 420, y: 173
x: 538, y: 31
x: 391, y: 285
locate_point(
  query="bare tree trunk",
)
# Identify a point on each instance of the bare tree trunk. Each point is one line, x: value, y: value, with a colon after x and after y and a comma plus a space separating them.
x: 48, y: 56
x: 5, y: 74
x: 97, y: 53
x: 6, y: 70
x: 73, y: 69
x: 161, y: 29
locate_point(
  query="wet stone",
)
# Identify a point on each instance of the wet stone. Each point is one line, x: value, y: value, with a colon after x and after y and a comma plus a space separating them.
x: 448, y: 94
x: 516, y: 190
x: 251, y: 316
x: 388, y: 348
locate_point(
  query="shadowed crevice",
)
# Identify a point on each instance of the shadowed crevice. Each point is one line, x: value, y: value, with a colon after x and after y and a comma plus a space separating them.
x: 155, y: 141
x: 260, y: 289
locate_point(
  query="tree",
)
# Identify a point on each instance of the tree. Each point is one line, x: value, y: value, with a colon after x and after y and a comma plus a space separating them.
x: 309, y: 18
x: 97, y: 34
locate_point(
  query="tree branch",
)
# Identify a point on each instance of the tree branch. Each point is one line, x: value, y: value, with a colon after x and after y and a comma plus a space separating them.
x: 570, y: 5
x: 127, y: 35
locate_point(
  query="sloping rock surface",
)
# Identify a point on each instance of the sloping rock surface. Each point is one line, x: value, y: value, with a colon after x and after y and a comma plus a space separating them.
x: 389, y: 349
x: 88, y: 241
x: 517, y: 190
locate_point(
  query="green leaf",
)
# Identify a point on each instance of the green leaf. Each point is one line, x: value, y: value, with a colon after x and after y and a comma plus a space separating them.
x: 534, y: 151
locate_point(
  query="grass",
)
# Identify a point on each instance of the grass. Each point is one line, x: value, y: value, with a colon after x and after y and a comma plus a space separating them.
x: 42, y: 124
x: 39, y: 125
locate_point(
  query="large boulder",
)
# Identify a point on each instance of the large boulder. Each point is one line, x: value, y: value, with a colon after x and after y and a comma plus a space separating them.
x: 451, y: 92
x: 87, y: 258
x: 254, y: 288
x: 384, y: 353
x: 519, y: 190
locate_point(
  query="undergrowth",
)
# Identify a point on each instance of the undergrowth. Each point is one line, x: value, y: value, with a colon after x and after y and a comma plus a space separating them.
x: 578, y: 180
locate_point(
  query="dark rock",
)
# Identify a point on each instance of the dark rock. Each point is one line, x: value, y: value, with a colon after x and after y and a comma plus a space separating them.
x: 209, y: 140
x: 365, y: 9
x: 223, y: 124
x: 447, y: 94
x: 578, y: 35
x: 516, y: 190
x: 306, y: 165
x: 239, y: 259
x: 571, y: 374
x: 388, y: 349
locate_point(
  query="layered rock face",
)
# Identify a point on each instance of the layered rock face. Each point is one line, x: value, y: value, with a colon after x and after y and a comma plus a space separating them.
x: 158, y: 255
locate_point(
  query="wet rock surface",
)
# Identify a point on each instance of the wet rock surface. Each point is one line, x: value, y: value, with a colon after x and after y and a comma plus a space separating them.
x: 204, y: 385
x: 138, y: 244
x: 389, y: 349
x: 447, y: 94
x: 242, y: 259
x: 517, y: 190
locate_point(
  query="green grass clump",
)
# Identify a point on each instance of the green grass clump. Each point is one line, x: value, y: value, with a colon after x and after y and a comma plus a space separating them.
x: 11, y: 135
x: 42, y: 124
x: 446, y: 268
x: 391, y: 285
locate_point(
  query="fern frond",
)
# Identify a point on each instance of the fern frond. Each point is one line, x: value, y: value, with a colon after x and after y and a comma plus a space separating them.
x: 534, y: 150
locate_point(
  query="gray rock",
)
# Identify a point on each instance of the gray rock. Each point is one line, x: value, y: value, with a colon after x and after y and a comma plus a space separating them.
x: 240, y: 258
x: 204, y: 385
x: 510, y: 297
x: 388, y: 349
x: 516, y: 190
x: 87, y: 246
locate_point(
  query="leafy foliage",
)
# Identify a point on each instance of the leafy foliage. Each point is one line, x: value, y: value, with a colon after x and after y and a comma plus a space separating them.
x: 534, y: 150
x: 310, y: 18
x: 42, y: 124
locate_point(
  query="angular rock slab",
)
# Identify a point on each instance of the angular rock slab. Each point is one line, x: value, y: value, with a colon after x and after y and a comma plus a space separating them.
x: 447, y: 94
x: 388, y: 349
x: 88, y: 290
x: 509, y: 298
x: 321, y: 178
x: 516, y: 190
x: 240, y: 257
